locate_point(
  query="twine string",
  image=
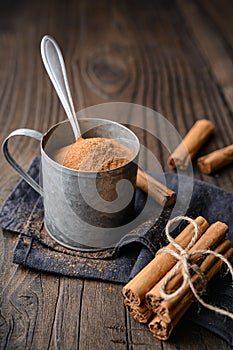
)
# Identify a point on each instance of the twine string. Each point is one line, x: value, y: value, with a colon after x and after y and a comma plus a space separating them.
x: 183, y: 257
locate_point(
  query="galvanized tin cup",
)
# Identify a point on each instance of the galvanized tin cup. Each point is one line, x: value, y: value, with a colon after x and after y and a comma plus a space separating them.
x: 83, y: 210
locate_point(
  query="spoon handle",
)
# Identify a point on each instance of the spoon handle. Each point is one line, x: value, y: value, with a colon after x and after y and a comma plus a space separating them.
x: 55, y: 66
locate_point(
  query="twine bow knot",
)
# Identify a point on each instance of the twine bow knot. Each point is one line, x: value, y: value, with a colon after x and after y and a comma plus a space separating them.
x: 184, y: 261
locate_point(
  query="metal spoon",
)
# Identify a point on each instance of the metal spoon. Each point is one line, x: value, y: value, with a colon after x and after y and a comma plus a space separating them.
x: 55, y: 66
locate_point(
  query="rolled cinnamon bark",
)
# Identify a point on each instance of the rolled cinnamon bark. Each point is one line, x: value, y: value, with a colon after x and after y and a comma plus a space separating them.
x: 135, y: 290
x: 160, y: 193
x: 169, y: 309
x: 161, y: 328
x: 209, y: 240
x: 216, y: 160
x: 192, y: 142
x: 140, y: 313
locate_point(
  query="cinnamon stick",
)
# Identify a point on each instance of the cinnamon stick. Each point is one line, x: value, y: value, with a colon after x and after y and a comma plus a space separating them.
x: 140, y: 313
x: 162, y: 329
x: 216, y: 160
x: 209, y: 240
x: 192, y: 142
x: 135, y: 290
x: 160, y: 193
x: 169, y: 309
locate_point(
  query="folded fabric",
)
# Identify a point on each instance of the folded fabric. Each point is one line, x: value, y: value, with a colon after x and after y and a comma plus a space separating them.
x: 23, y: 213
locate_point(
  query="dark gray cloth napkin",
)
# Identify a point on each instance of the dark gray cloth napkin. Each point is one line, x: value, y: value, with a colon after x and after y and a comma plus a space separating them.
x: 23, y: 213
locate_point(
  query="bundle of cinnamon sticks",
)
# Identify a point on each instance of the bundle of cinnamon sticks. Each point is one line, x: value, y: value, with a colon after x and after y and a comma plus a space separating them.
x: 142, y: 295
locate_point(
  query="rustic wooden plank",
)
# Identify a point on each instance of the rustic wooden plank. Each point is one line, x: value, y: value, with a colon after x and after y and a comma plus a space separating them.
x: 66, y: 323
x: 102, y: 319
x: 139, y: 336
x: 36, y: 308
x: 28, y: 301
x: 214, y: 50
x: 220, y: 14
x: 220, y: 17
x: 108, y: 71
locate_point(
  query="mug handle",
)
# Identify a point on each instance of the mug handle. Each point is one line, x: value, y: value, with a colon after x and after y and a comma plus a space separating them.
x: 22, y: 132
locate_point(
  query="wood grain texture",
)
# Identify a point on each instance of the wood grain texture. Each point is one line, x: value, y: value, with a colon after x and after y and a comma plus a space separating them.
x: 174, y: 57
x: 103, y: 317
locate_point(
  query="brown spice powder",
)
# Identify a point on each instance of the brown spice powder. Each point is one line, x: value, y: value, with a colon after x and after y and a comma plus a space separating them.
x: 97, y: 154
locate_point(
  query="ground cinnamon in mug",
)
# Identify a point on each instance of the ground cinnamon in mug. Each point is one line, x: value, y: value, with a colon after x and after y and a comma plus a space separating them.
x: 97, y: 154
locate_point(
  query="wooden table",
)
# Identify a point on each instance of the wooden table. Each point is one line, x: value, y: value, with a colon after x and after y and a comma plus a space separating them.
x: 174, y: 57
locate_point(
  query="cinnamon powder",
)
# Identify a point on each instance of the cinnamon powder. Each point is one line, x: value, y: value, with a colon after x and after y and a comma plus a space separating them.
x: 97, y: 154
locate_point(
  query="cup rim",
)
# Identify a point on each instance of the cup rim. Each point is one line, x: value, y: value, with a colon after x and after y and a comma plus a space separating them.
x: 85, y: 172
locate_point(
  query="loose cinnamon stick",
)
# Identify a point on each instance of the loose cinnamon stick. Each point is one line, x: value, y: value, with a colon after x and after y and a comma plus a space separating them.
x: 209, y: 240
x: 135, y: 290
x: 160, y: 193
x: 216, y: 160
x: 162, y: 329
x: 192, y: 142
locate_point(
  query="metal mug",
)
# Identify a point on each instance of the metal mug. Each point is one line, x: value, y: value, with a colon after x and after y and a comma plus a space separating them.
x: 83, y: 210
